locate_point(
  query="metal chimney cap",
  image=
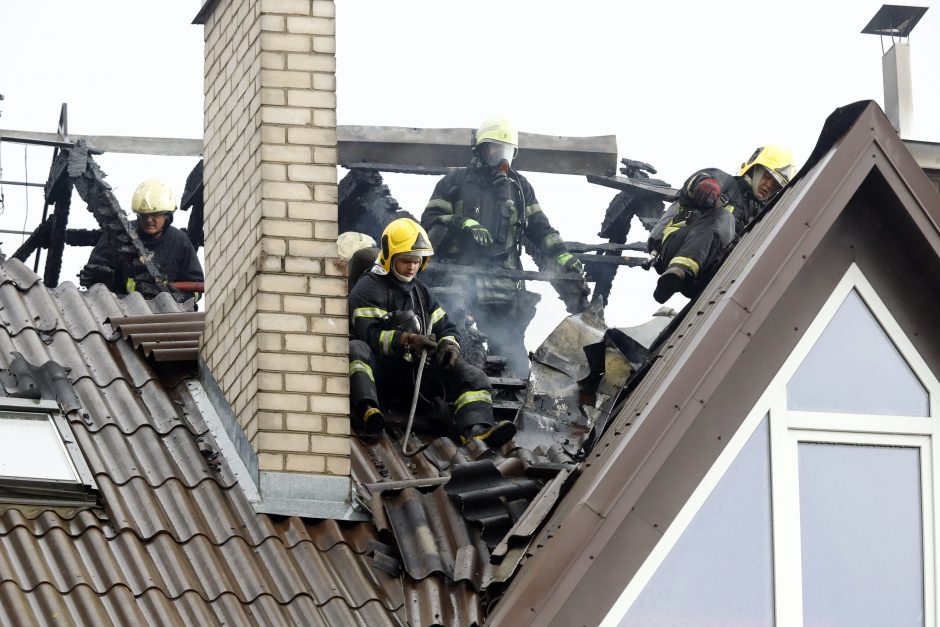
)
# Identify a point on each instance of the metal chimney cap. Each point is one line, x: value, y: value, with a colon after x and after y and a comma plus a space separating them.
x: 894, y: 20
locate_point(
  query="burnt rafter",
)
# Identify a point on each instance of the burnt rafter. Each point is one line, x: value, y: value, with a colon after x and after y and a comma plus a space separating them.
x: 38, y: 239
x: 77, y: 164
x: 192, y: 197
x: 56, y: 242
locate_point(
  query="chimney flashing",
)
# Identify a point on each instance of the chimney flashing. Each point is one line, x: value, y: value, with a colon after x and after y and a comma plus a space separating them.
x: 281, y: 493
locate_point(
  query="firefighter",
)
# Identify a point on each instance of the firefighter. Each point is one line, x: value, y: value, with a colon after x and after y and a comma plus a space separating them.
x: 482, y: 215
x: 393, y: 319
x: 173, y: 253
x: 711, y: 209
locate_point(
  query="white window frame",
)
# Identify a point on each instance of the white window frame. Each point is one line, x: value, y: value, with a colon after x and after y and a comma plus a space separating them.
x: 82, y: 491
x: 787, y: 429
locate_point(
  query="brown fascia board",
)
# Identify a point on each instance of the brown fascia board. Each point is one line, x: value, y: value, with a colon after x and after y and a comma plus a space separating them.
x: 605, y: 494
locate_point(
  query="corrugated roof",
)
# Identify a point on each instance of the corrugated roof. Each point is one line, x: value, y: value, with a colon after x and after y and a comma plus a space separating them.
x: 433, y: 536
x: 176, y: 542
x: 164, y: 337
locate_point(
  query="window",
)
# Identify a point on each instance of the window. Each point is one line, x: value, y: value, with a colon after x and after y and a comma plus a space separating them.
x: 720, y: 572
x: 851, y: 424
x: 854, y: 367
x: 861, y: 534
x: 40, y: 463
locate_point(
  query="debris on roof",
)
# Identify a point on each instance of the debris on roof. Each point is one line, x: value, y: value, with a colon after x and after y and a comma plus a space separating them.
x: 449, y: 525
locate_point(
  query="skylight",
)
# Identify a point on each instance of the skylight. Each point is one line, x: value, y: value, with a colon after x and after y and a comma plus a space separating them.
x: 31, y: 447
x: 40, y: 461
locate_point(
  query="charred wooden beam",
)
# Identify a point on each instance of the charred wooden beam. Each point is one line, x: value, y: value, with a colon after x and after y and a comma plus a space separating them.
x: 39, y: 238
x: 391, y: 148
x: 365, y: 203
x: 60, y: 220
x: 192, y: 198
x: 667, y: 194
x: 167, y: 146
x: 82, y: 237
x: 612, y: 260
x: 395, y: 147
x: 78, y: 165
x: 578, y: 247
x: 460, y: 270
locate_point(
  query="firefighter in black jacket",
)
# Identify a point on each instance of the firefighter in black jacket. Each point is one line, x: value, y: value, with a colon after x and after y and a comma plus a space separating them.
x: 711, y: 209
x: 482, y: 215
x: 154, y: 204
x: 393, y: 318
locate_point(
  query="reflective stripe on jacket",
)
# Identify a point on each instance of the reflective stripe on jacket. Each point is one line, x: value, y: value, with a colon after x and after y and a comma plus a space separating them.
x: 375, y: 295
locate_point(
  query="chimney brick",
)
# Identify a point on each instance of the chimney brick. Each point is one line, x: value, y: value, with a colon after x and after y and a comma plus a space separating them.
x: 276, y: 335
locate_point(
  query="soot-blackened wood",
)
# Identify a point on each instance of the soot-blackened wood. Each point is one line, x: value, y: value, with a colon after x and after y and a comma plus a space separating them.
x: 129, y: 251
x: 192, y: 197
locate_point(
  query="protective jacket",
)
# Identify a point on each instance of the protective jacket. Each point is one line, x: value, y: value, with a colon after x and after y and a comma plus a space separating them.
x: 380, y: 366
x: 173, y: 253
x: 740, y: 200
x: 507, y: 207
x: 694, y: 237
x: 376, y: 294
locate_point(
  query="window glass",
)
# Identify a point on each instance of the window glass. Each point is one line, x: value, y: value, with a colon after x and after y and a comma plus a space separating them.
x: 860, y: 522
x: 720, y: 570
x: 30, y: 448
x: 854, y: 367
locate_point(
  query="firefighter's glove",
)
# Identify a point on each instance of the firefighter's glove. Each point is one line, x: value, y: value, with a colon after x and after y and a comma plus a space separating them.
x: 448, y: 355
x: 95, y: 273
x: 479, y: 233
x: 574, y: 294
x: 707, y: 194
x: 417, y: 342
x: 570, y: 262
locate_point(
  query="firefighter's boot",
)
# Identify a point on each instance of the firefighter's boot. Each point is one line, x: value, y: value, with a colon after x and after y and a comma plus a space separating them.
x: 493, y: 436
x: 670, y: 282
x: 368, y: 421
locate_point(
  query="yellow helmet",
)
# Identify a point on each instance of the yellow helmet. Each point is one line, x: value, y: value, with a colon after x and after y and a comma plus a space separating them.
x: 778, y: 162
x: 153, y: 196
x: 497, y: 129
x: 497, y: 142
x: 404, y: 235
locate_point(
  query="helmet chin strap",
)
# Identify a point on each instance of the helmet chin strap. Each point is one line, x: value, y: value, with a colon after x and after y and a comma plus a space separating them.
x: 402, y: 278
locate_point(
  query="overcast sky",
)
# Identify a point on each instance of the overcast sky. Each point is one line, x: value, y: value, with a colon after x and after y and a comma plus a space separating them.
x: 683, y: 85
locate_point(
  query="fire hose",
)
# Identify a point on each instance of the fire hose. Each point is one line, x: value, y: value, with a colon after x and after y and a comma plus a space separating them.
x: 189, y: 286
x: 414, y: 404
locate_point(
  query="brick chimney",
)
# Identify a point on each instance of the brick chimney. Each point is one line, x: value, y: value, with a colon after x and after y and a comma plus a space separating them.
x: 276, y: 342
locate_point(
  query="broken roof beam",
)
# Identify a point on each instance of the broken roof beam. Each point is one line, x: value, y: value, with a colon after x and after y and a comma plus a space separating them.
x: 164, y: 146
x: 418, y: 150
x: 403, y: 148
x: 624, y: 183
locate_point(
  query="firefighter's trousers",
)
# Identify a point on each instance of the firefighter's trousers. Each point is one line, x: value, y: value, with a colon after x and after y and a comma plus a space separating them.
x: 698, y: 244
x: 390, y: 382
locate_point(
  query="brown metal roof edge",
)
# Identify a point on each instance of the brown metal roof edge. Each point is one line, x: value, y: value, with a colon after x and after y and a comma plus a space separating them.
x: 544, y: 585
x: 176, y: 354
x: 183, y: 316
x: 128, y: 330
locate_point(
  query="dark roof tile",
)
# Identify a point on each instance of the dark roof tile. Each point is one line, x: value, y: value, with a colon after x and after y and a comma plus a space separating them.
x: 128, y: 408
x: 44, y: 521
x: 175, y: 541
x: 146, y: 454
